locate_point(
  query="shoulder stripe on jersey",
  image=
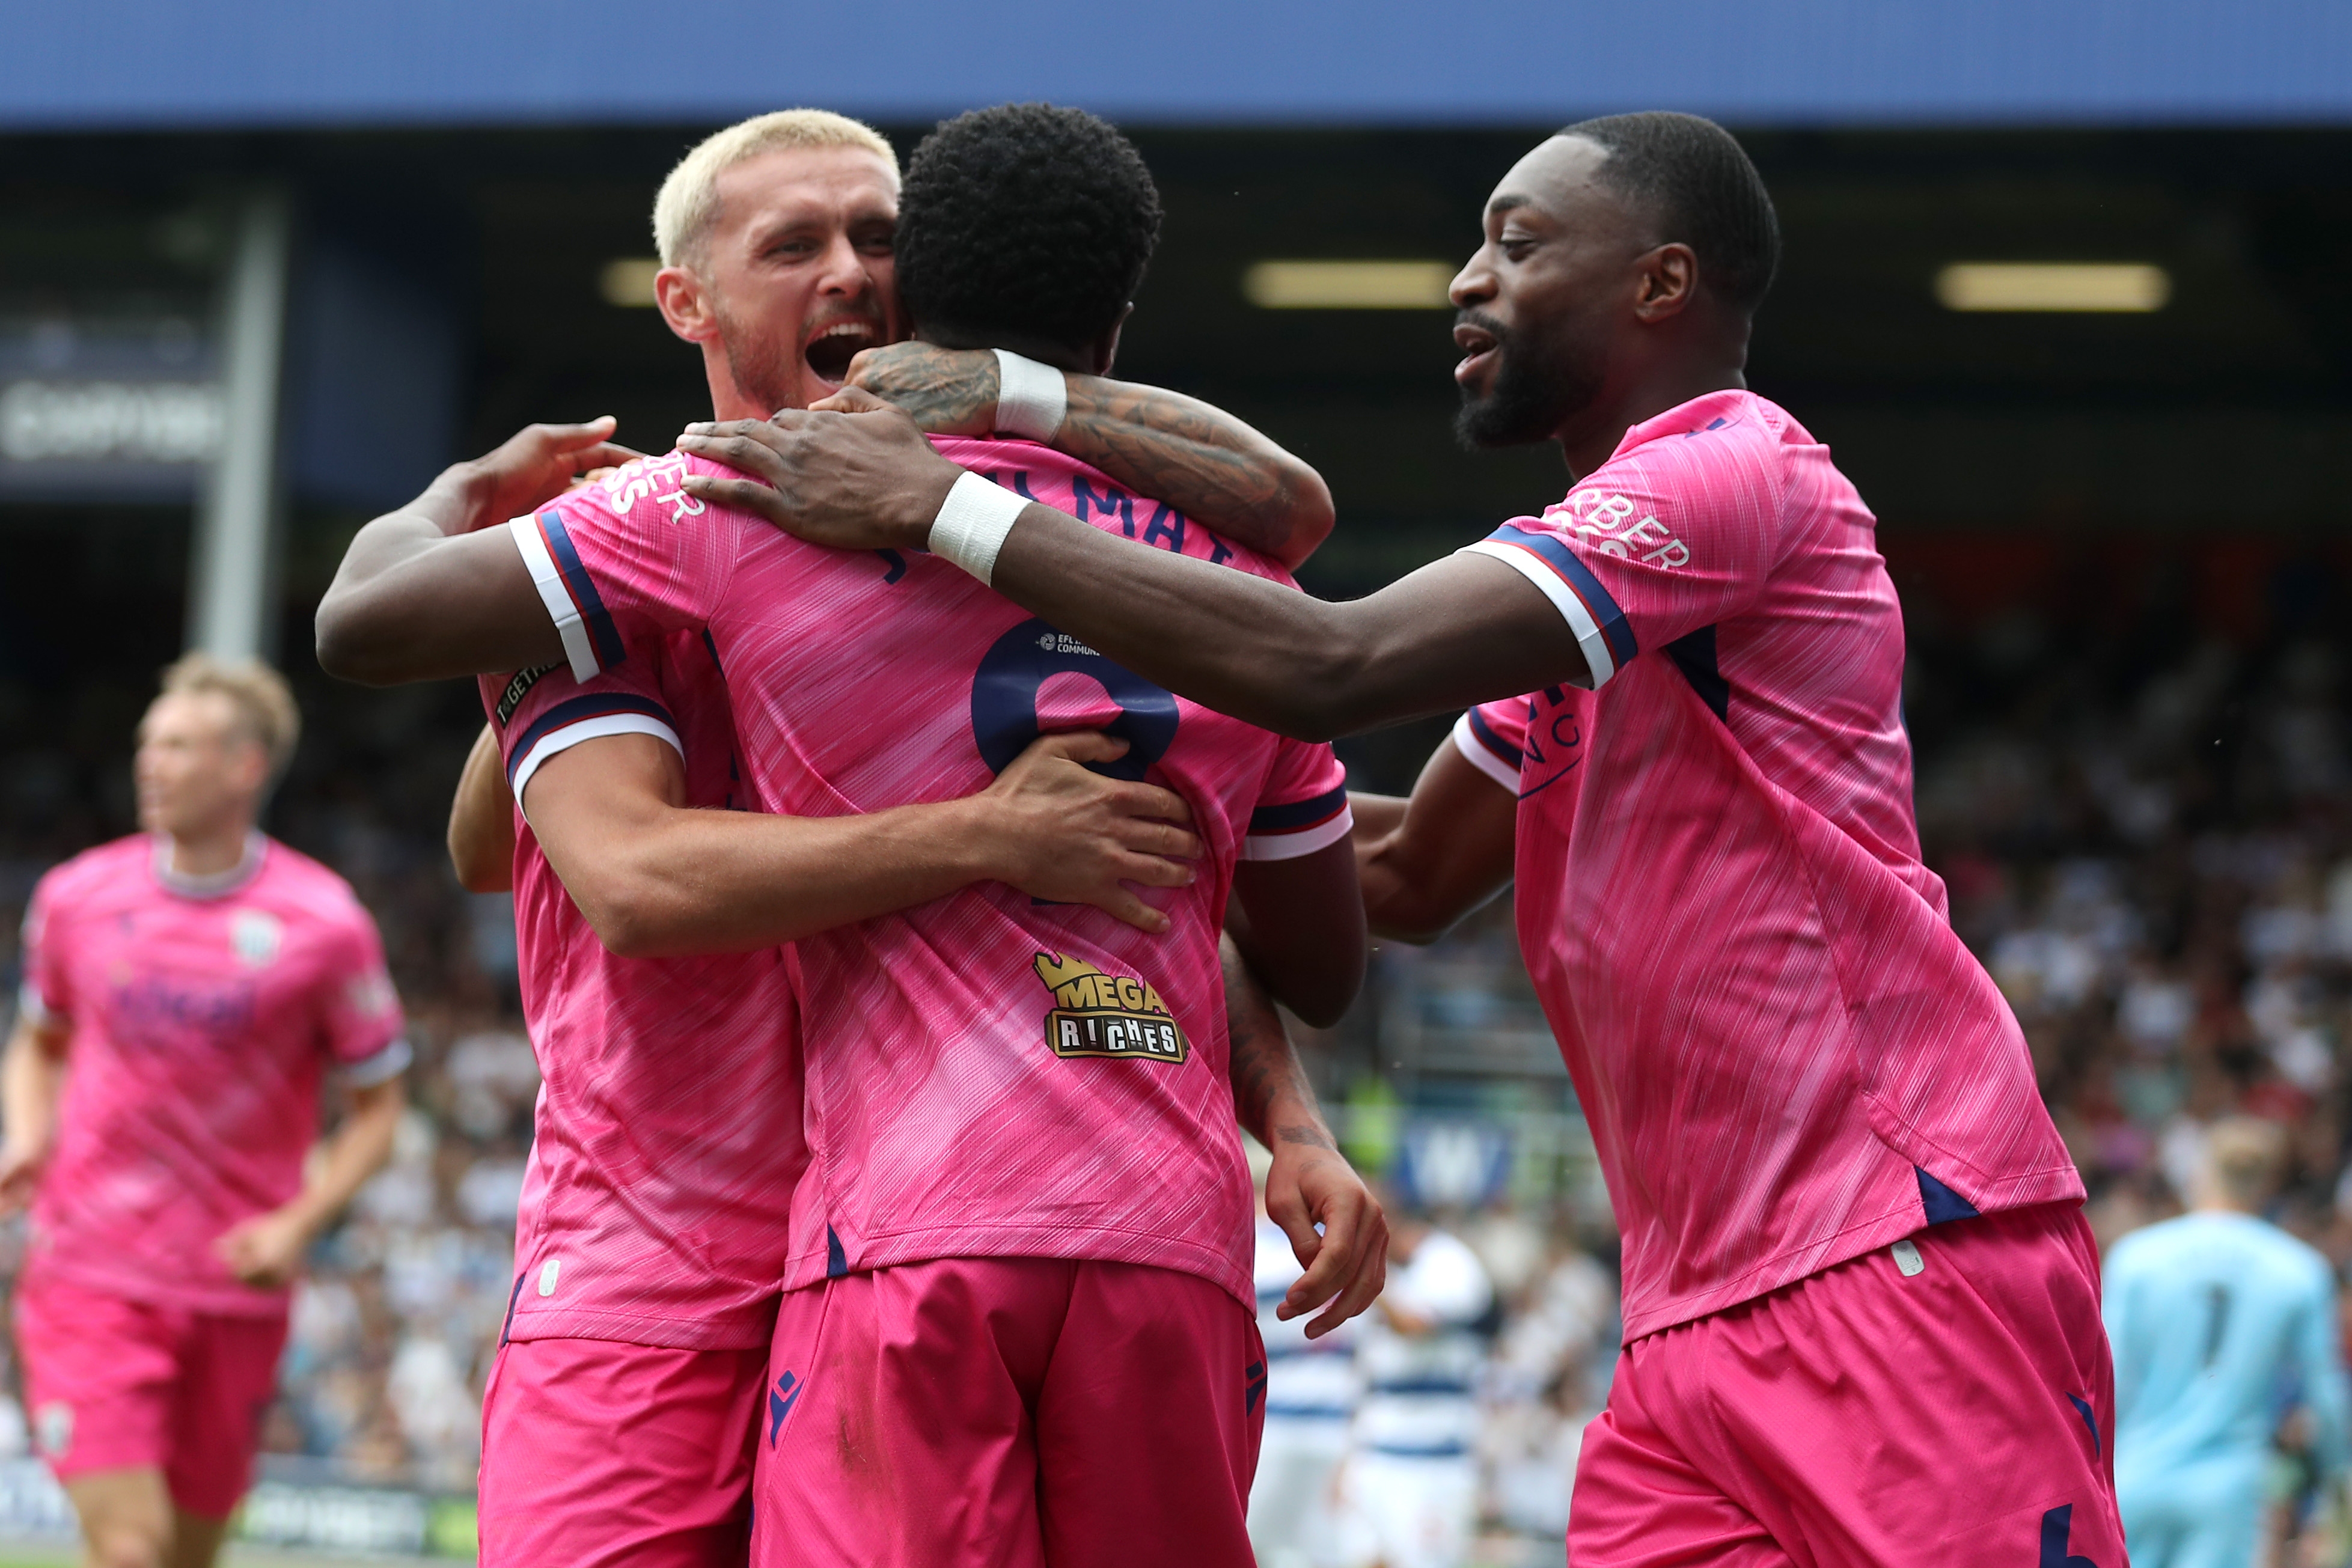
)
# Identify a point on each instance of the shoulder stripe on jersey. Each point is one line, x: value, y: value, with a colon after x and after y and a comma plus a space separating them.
x: 1296, y: 842
x: 556, y: 742
x: 381, y: 1067
x: 32, y: 1006
x: 582, y: 709
x: 591, y: 705
x: 1300, y: 815
x: 533, y: 546
x: 1503, y: 749
x: 1487, y: 752
x: 1545, y: 559
x: 582, y: 589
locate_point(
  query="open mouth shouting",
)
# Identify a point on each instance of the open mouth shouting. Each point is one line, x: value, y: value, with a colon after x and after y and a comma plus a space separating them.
x: 832, y: 344
x: 1477, y: 343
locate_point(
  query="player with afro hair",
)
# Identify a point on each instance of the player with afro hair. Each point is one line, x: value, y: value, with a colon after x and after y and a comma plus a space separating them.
x: 1024, y: 224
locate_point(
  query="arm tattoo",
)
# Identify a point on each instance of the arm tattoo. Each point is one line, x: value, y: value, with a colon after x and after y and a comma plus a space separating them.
x: 940, y: 389
x: 1179, y: 451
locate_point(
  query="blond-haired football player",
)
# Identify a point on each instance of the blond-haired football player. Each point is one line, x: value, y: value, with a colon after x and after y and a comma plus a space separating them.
x: 200, y: 979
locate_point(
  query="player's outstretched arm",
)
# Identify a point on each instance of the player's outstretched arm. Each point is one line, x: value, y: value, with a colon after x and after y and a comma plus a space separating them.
x: 1464, y: 629
x: 267, y: 1249
x: 1310, y: 1183
x: 481, y: 820
x: 32, y: 1074
x: 424, y: 594
x: 1431, y: 857
x: 1192, y: 455
x: 657, y: 879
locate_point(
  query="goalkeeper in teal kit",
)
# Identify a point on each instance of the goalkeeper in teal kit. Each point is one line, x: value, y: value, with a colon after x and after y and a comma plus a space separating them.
x: 2220, y: 1323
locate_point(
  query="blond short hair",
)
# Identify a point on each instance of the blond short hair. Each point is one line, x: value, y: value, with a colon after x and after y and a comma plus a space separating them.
x: 266, y: 713
x: 690, y: 197
x: 2246, y: 1156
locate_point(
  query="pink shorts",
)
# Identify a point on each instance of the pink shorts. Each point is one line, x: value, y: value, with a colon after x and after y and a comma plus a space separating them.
x: 115, y: 1384
x: 1010, y: 1413
x: 595, y: 1452
x: 1956, y: 1416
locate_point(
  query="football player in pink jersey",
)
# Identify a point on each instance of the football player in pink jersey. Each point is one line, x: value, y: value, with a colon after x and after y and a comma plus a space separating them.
x: 1861, y: 1300
x: 613, y: 767
x: 1078, y: 1201
x: 187, y: 990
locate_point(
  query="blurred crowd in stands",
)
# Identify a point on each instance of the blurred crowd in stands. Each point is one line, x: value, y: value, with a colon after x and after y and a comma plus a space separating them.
x: 2145, y: 830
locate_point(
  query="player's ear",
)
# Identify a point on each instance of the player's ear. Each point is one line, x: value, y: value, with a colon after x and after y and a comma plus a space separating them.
x: 685, y: 304
x: 1665, y: 281
x: 1104, y: 349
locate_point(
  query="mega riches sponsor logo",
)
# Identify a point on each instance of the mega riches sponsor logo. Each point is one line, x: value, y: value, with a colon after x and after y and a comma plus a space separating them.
x: 1097, y: 1014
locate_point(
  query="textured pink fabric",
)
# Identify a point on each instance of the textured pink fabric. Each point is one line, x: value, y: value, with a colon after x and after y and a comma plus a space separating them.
x: 1010, y: 1413
x: 112, y: 1384
x: 596, y: 1454
x: 1958, y: 1417
x: 668, y: 1135
x: 952, y: 1108
x: 1772, y: 1026
x: 202, y: 1029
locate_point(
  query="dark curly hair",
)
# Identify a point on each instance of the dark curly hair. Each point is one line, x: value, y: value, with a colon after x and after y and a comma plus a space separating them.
x: 1705, y: 191
x: 1025, y: 219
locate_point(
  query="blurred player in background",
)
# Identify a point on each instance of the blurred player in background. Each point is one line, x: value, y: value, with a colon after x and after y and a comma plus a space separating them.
x: 864, y: 845
x: 653, y: 1230
x: 2217, y: 1318
x: 1311, y: 1384
x: 1409, y: 1496
x: 1816, y: 1114
x: 186, y: 991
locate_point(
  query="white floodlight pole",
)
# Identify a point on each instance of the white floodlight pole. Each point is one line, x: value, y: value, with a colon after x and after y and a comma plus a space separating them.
x: 232, y: 567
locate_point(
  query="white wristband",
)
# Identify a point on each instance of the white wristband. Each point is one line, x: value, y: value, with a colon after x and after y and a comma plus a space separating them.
x: 1031, y: 398
x: 973, y: 523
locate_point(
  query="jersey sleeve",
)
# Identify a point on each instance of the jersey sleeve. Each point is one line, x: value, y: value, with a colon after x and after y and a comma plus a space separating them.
x: 544, y: 711
x: 1663, y: 541
x: 1304, y: 807
x: 366, y: 1032
x: 44, y: 997
x: 1493, y: 737
x: 635, y: 545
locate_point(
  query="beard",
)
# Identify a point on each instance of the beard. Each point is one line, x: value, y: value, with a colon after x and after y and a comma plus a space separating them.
x: 767, y: 366
x: 1537, y: 386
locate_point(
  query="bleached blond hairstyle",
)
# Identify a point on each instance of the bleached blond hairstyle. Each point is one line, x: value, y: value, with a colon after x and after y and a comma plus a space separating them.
x: 690, y: 197
x: 266, y: 713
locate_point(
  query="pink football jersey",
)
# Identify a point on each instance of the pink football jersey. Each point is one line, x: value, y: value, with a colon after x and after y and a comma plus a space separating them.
x: 987, y: 1075
x: 203, y: 1013
x: 1786, y: 1057
x: 668, y: 1135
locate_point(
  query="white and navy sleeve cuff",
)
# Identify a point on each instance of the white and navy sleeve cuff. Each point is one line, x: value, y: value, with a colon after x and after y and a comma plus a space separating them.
x: 589, y: 642
x: 382, y: 1067
x: 1285, y: 832
x: 588, y: 717
x: 1489, y: 753
x: 1545, y: 559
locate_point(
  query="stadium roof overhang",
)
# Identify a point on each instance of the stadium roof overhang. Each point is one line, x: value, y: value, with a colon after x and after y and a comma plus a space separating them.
x: 128, y: 64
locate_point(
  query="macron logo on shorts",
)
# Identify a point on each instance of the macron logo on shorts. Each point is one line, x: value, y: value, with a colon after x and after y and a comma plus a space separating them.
x: 780, y: 1400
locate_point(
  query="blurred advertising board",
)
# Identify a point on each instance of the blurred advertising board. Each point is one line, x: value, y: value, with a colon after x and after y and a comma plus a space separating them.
x: 331, y: 1518
x: 106, y: 407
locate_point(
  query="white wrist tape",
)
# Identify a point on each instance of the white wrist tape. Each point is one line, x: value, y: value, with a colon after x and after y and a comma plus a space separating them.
x: 1031, y: 398
x: 973, y: 523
